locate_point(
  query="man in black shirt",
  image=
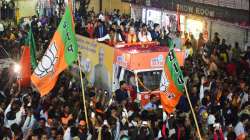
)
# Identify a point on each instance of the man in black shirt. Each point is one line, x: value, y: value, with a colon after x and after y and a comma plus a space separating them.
x: 121, y: 94
x: 156, y: 32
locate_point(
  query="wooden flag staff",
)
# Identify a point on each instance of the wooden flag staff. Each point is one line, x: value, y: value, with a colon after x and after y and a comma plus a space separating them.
x: 83, y: 93
x: 192, y: 110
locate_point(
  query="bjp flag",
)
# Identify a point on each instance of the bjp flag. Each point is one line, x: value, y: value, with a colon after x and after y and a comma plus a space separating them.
x: 25, y: 71
x: 172, y: 83
x: 61, y: 53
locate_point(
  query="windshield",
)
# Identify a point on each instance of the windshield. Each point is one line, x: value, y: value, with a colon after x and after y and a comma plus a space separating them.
x: 149, y: 80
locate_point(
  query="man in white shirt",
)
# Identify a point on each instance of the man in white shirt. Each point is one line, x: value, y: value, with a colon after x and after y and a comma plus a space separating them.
x: 113, y: 37
x: 240, y: 127
x: 177, y: 41
x: 13, y: 114
x: 243, y: 95
x: 151, y: 106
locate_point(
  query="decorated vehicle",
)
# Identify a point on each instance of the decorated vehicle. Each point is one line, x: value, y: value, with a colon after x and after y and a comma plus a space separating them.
x: 140, y: 65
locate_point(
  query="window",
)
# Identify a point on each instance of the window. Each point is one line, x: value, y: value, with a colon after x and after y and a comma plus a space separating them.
x: 149, y: 80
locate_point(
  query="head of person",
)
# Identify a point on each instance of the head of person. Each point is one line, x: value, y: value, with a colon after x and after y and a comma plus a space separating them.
x: 230, y: 128
x: 114, y: 25
x: 61, y: 90
x: 186, y: 35
x: 216, y: 34
x: 53, y: 133
x: 244, y: 118
x: 144, y: 27
x: 59, y: 135
x: 223, y: 41
x: 131, y: 30
x: 231, y: 136
x: 192, y: 36
x: 82, y: 125
x: 236, y: 45
x: 123, y: 85
x: 44, y: 136
x: 153, y: 98
x: 15, y: 106
x: 101, y: 56
x: 204, y: 101
x: 66, y: 109
x: 157, y: 27
x: 42, y: 122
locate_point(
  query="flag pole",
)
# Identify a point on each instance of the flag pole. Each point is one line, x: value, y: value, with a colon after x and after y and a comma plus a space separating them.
x: 192, y: 110
x: 83, y: 94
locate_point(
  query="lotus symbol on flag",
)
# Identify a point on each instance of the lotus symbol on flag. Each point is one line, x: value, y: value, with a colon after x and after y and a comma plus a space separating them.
x: 48, y: 61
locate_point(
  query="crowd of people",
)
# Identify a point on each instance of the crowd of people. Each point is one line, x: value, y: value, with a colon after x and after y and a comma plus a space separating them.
x: 217, y: 76
x: 115, y: 28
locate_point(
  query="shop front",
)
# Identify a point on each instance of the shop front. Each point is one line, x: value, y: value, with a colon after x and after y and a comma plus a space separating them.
x: 190, y: 24
x: 196, y: 18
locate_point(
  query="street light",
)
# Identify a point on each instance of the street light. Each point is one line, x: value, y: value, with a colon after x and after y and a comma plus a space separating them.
x: 17, y: 68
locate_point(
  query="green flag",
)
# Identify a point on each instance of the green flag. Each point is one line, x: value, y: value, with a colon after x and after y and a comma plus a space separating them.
x: 30, y: 41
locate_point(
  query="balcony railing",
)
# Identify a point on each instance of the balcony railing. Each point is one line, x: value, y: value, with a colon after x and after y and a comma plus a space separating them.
x: 235, y: 4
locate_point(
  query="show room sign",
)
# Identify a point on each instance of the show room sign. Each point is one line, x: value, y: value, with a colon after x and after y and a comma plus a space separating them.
x: 195, y: 10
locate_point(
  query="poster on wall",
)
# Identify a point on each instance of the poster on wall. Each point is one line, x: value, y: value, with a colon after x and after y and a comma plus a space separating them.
x: 96, y: 62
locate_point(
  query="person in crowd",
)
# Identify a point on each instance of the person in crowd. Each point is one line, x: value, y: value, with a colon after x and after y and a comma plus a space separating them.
x: 131, y: 37
x: 112, y: 38
x: 121, y: 94
x: 151, y: 106
x: 185, y: 39
x: 90, y: 29
x: 100, y: 30
x: 177, y: 41
x: 216, y: 40
x: 193, y: 43
x: 188, y: 49
x: 201, y: 41
x: 144, y: 35
x: 164, y: 39
x: 155, y: 34
x: 236, y: 51
x: 240, y: 127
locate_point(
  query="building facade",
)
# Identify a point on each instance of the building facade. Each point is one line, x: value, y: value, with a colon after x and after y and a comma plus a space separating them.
x: 230, y: 18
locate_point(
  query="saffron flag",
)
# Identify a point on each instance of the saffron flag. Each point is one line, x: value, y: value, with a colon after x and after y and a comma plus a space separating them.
x: 30, y: 41
x: 172, y: 83
x: 61, y: 53
x: 25, y: 71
